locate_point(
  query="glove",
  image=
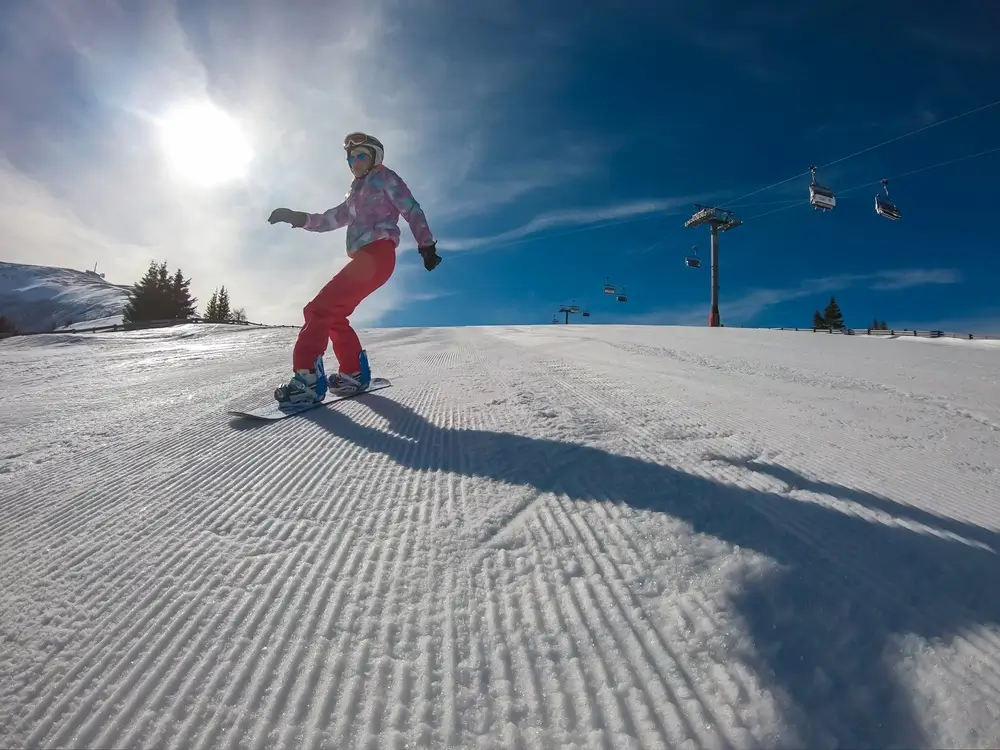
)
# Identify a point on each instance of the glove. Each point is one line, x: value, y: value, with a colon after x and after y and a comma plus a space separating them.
x: 430, y: 256
x: 296, y: 218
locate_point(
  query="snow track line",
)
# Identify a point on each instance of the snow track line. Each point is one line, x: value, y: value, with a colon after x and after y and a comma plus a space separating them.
x: 815, y: 538
x: 603, y: 624
x: 327, y: 691
x: 98, y: 460
x: 350, y: 688
x: 238, y: 730
x: 196, y: 523
x: 648, y: 643
x: 337, y: 546
x: 672, y: 675
x: 390, y: 582
x: 614, y: 714
x: 618, y: 519
x: 375, y: 578
x: 86, y: 499
x: 436, y: 659
x: 918, y: 476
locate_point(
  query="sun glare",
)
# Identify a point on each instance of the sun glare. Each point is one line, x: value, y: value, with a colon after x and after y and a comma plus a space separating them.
x: 204, y: 145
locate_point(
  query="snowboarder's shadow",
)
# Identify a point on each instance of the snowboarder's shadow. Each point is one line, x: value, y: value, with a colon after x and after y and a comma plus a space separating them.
x: 826, y: 629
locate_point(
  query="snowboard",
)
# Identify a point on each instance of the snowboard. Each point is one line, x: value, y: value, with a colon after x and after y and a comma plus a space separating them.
x: 275, y: 411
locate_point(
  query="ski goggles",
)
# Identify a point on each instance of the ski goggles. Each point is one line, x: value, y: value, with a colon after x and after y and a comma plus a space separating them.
x: 355, y: 139
x: 359, y: 155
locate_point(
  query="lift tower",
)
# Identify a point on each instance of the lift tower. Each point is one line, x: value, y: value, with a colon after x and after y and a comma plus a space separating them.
x: 718, y: 220
x: 569, y: 310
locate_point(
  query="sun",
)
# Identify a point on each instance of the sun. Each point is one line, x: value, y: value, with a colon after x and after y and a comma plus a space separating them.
x: 204, y: 145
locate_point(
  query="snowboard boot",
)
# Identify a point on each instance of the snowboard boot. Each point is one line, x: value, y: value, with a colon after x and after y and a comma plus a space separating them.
x: 348, y: 383
x: 305, y: 386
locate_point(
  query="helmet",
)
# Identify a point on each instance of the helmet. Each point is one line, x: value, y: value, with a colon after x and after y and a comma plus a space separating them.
x: 368, y: 142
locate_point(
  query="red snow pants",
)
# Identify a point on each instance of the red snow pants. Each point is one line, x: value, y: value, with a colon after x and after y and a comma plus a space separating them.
x: 326, y: 315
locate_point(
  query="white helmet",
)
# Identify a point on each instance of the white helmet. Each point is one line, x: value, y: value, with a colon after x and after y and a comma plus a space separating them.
x: 369, y: 143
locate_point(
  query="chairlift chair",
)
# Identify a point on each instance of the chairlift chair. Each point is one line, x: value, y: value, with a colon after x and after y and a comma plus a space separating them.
x: 622, y: 297
x: 586, y: 313
x: 885, y: 207
x: 693, y: 261
x: 821, y: 198
x: 608, y: 287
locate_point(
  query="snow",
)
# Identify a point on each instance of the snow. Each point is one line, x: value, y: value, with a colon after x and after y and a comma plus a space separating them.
x: 43, y: 298
x: 539, y: 537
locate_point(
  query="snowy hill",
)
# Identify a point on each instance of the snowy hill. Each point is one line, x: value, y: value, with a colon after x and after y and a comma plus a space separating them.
x: 539, y: 537
x: 42, y: 298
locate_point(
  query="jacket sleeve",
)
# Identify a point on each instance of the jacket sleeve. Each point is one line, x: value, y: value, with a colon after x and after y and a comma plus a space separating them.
x: 334, y: 218
x: 409, y: 209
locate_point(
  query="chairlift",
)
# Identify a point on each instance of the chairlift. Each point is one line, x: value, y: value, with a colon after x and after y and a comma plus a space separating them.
x: 693, y: 261
x: 821, y: 198
x: 884, y: 206
x: 586, y: 313
x: 609, y: 288
x: 622, y: 297
x: 555, y: 318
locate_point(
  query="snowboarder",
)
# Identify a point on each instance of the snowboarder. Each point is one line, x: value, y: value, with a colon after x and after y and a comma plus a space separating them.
x: 371, y: 213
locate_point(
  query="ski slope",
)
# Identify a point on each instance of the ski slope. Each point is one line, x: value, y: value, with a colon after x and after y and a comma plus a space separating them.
x: 43, y: 298
x: 540, y: 537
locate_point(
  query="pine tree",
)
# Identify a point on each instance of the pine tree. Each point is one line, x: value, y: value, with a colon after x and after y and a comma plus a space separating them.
x: 884, y: 326
x: 158, y: 296
x: 143, y: 302
x: 181, y: 301
x: 224, y: 311
x: 164, y: 304
x: 818, y: 321
x: 833, y: 316
x: 212, y: 308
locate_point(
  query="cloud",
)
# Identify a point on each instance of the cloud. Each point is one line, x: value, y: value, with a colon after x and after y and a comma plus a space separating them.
x: 578, y: 217
x: 904, y: 279
x: 985, y: 323
x: 752, y: 35
x: 83, y: 179
x: 743, y: 309
x: 970, y: 42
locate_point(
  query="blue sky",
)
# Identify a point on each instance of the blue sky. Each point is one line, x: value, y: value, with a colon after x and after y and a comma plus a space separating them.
x: 551, y: 145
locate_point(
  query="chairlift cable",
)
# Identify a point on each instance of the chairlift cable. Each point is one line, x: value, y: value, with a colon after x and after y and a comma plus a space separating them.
x: 891, y: 179
x: 783, y: 208
x: 762, y: 203
x: 872, y: 148
x: 622, y: 220
x: 772, y: 185
x: 532, y: 237
x: 914, y: 132
x: 922, y: 169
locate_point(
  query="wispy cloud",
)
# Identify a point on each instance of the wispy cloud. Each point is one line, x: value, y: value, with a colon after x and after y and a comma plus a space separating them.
x: 743, y: 309
x: 574, y: 217
x: 970, y: 42
x: 84, y: 180
x: 750, y: 34
x: 904, y: 279
x: 985, y: 323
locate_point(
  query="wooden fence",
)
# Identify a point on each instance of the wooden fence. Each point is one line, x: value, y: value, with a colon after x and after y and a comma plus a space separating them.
x: 892, y: 332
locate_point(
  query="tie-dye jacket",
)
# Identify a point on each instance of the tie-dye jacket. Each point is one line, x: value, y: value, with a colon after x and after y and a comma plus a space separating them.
x: 371, y: 212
